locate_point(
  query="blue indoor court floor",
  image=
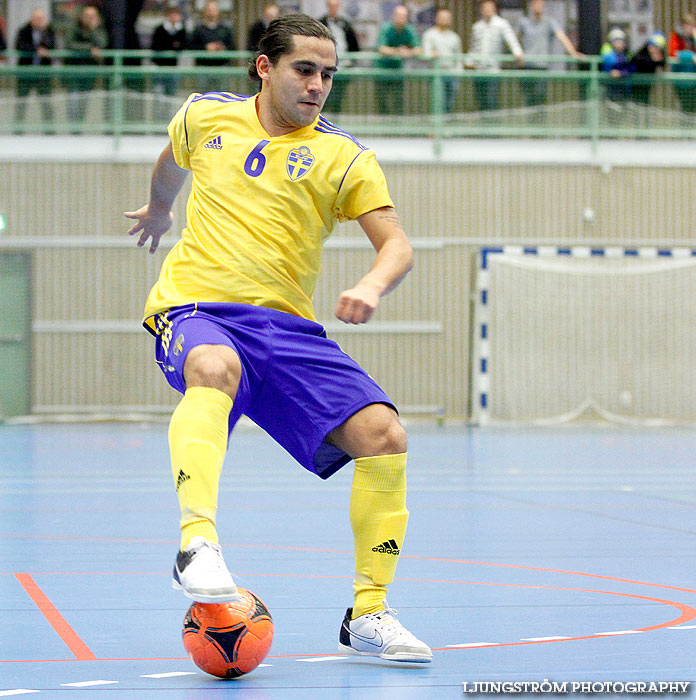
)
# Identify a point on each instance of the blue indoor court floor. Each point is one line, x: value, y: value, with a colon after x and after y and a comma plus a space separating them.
x: 565, y: 553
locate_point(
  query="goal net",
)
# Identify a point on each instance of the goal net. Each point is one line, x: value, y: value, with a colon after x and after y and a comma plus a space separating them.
x: 568, y: 332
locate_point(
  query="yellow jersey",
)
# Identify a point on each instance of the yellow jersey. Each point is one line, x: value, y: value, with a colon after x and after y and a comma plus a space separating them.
x: 260, y: 207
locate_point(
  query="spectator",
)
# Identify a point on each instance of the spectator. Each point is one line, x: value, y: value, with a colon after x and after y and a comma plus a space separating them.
x: 212, y: 35
x: 397, y: 40
x: 89, y: 38
x: 682, y: 48
x: 35, y: 40
x: 168, y: 36
x: 489, y: 37
x: 3, y: 44
x: 537, y: 33
x: 119, y: 21
x: 441, y: 43
x: 683, y: 38
x: 258, y: 29
x: 649, y: 59
x: 346, y: 42
x: 615, y: 61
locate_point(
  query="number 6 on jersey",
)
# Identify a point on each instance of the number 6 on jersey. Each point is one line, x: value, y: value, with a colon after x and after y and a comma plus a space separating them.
x: 256, y: 161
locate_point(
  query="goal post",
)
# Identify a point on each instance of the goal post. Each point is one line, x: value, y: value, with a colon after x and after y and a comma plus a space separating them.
x: 563, y: 332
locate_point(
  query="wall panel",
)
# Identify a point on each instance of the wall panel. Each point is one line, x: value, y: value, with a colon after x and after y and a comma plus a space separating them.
x: 89, y: 353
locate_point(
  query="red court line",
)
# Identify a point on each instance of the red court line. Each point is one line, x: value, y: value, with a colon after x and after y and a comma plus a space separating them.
x: 548, y: 571
x: 81, y: 651
x: 687, y: 613
x: 14, y: 535
x: 69, y: 661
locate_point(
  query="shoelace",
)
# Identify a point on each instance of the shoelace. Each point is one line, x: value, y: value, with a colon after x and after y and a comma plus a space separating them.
x: 217, y: 561
x: 388, y: 613
x: 387, y: 618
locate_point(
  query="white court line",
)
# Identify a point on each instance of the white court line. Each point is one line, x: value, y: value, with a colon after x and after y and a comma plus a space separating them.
x: 18, y: 691
x: 322, y: 658
x: 264, y: 665
x: 171, y: 674
x: 86, y: 684
x: 551, y: 639
x: 542, y: 639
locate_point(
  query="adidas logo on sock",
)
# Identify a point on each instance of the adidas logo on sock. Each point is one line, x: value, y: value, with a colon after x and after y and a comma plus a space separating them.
x: 181, y: 479
x: 215, y: 143
x: 389, y: 547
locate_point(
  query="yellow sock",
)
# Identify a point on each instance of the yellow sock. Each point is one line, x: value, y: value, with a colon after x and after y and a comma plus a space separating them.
x: 197, y: 443
x: 198, y: 528
x: 378, y: 517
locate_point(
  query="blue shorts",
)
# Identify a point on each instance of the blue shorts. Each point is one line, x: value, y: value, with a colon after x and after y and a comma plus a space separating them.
x: 296, y: 384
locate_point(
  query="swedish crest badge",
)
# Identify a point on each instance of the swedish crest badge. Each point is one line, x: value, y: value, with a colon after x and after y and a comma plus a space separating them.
x: 299, y: 162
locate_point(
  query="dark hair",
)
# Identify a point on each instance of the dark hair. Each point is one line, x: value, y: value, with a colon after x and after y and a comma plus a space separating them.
x: 278, y: 39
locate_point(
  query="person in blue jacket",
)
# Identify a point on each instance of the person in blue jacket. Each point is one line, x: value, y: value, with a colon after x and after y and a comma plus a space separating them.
x: 616, y: 62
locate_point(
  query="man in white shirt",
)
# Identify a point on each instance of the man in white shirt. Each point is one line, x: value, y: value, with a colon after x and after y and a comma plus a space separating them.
x: 441, y: 43
x: 489, y: 38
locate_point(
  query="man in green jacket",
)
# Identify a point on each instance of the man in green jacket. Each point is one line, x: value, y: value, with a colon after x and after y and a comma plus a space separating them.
x: 89, y: 38
x: 397, y: 40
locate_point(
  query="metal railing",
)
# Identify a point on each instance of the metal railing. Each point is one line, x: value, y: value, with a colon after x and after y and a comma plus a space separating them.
x: 127, y: 92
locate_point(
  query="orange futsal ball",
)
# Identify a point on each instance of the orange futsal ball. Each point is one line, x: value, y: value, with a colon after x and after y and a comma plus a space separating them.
x: 228, y: 640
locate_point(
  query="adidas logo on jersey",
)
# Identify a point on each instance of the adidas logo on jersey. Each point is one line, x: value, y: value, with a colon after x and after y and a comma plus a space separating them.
x: 215, y: 143
x: 390, y: 547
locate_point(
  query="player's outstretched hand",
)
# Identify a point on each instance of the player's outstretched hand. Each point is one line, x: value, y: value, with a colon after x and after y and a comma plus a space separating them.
x: 357, y: 305
x: 149, y: 225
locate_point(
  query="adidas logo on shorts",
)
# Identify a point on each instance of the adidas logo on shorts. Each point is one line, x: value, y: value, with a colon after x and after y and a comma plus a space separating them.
x: 390, y: 547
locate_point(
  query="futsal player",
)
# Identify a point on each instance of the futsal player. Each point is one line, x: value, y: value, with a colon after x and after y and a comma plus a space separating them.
x: 234, y: 323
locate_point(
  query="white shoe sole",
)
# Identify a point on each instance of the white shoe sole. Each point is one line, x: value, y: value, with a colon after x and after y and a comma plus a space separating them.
x: 403, y: 657
x: 202, y: 598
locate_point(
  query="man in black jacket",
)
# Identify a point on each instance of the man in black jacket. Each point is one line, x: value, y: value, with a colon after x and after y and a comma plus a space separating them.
x: 212, y: 35
x: 35, y: 40
x: 168, y: 36
x: 258, y: 29
x: 119, y: 21
x: 346, y: 42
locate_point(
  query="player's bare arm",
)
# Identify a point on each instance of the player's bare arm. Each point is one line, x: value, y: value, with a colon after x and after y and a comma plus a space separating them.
x: 154, y: 219
x: 394, y: 260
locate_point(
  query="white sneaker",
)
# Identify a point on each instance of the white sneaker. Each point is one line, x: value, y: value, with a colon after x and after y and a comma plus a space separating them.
x: 381, y: 634
x: 200, y: 572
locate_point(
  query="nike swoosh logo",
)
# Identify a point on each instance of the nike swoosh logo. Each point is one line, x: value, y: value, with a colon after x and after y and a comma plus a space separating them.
x: 375, y: 639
